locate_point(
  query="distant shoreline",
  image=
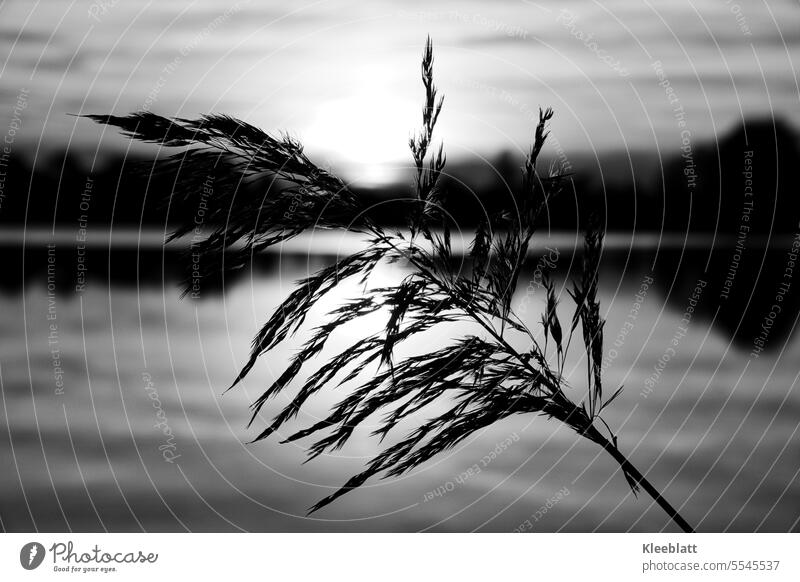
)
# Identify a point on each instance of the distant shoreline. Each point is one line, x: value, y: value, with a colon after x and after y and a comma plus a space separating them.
x: 332, y: 242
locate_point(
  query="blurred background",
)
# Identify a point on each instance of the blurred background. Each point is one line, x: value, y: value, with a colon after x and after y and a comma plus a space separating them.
x: 677, y: 120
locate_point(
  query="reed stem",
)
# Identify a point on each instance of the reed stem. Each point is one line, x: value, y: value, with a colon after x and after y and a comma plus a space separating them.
x: 640, y: 479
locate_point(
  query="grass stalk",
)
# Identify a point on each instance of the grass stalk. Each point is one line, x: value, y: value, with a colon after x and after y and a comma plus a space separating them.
x: 271, y: 191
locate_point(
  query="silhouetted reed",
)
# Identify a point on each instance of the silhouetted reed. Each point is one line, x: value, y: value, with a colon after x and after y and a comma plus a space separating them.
x: 482, y: 377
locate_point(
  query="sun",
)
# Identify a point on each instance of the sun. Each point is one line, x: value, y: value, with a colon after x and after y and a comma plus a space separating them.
x: 367, y: 132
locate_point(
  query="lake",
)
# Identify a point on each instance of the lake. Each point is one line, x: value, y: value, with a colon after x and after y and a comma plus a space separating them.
x: 115, y: 419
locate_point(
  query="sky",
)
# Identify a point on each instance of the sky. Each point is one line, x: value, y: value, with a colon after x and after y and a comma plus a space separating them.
x: 343, y: 76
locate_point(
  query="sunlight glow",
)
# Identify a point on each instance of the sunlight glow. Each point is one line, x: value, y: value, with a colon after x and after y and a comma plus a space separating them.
x: 368, y: 131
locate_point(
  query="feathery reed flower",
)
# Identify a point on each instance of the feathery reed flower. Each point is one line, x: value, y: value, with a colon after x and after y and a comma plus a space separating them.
x: 271, y: 192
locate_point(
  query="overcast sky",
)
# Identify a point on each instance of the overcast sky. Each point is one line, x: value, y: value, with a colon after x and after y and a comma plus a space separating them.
x: 343, y: 76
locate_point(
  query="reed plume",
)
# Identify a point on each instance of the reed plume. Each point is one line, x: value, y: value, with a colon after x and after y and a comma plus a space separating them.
x: 270, y: 192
